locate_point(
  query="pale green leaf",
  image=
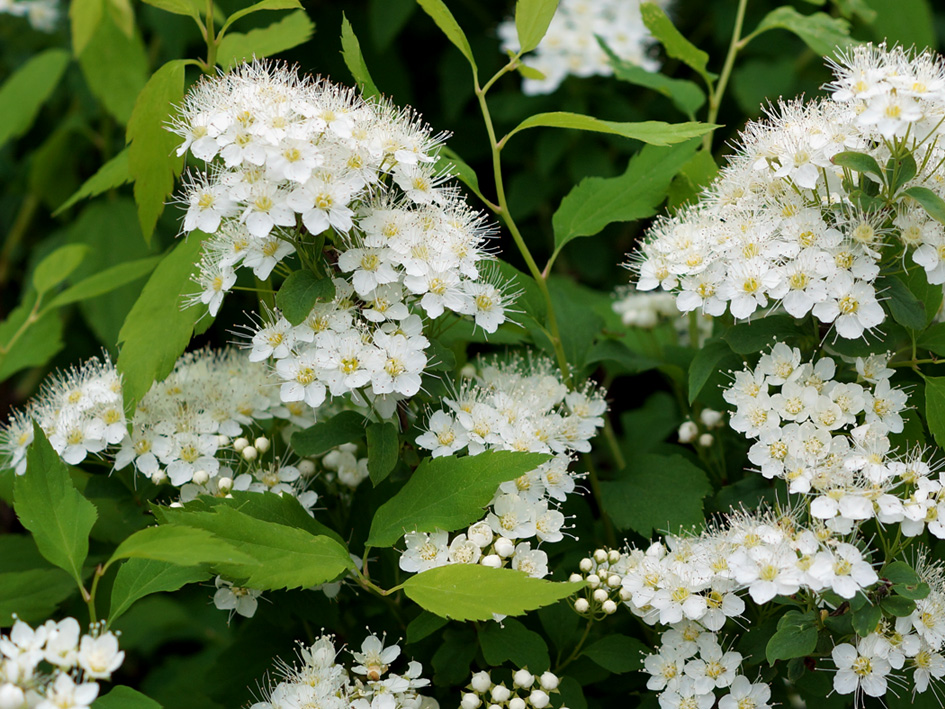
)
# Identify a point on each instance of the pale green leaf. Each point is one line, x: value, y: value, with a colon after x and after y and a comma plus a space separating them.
x: 137, y: 578
x: 299, y: 293
x: 84, y: 16
x: 354, y: 60
x: 178, y: 7
x: 25, y: 92
x: 257, y: 7
x: 57, y: 266
x: 676, y: 46
x: 109, y: 176
x: 532, y: 18
x: 105, y: 281
x: 448, y: 25
x: 475, y: 592
x: 821, y: 32
x: 291, y: 31
x: 447, y: 493
x: 184, y: 546
x: 115, y: 67
x: 653, y: 132
x: 50, y: 507
x: 123, y: 15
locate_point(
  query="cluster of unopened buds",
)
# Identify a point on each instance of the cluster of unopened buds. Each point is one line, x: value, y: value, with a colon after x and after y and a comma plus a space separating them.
x: 528, y: 690
x: 602, y: 573
x: 700, y: 433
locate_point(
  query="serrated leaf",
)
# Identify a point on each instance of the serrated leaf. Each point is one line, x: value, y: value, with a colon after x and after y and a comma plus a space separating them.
x: 58, y: 266
x: 47, y: 504
x: 858, y: 162
x: 475, y: 592
x: 617, y: 653
x: 513, y: 642
x: 790, y: 642
x: 152, y: 153
x: 25, y: 92
x: 115, y: 67
x: 447, y: 493
x: 109, y: 176
x: 931, y: 202
x: 676, y: 46
x: 685, y: 95
x: 33, y: 595
x: 137, y: 578
x: 121, y: 697
x: 270, y: 507
x: 322, y: 437
x: 354, y: 60
x: 532, y: 18
x: 258, y: 7
x: 448, y: 25
x: 158, y: 329
x: 383, y: 448
x: 652, y: 132
x: 105, y: 281
x: 935, y: 407
x: 84, y: 17
x: 184, y: 546
x: 292, y: 30
x: 299, y: 293
x: 819, y: 31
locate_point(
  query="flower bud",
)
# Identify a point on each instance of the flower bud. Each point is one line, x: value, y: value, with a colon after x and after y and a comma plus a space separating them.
x: 539, y: 699
x: 239, y: 444
x: 225, y: 484
x: 306, y: 467
x: 586, y: 565
x: 581, y: 605
x: 158, y: 477
x: 500, y: 693
x: 517, y: 703
x: 600, y: 556
x: 600, y: 595
x: 201, y: 477
x: 480, y: 534
x: 261, y: 444
x: 710, y: 418
x: 613, y: 581
x: 613, y: 556
x: 481, y: 682
x: 223, y: 441
x: 625, y: 595
x: 593, y: 580
x: 177, y: 504
x: 250, y: 453
x: 688, y: 432
x: 609, y: 607
x: 492, y: 560
x: 523, y: 678
x: 470, y: 701
x: 11, y: 697
x: 548, y: 681
x: 575, y: 578
x: 504, y: 547
x: 706, y: 440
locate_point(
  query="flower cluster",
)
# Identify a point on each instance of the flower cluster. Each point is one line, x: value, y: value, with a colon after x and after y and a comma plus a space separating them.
x: 784, y: 223
x: 43, y: 15
x: 320, y: 680
x: 306, y: 167
x: 571, y: 44
x: 528, y: 690
x: 701, y: 433
x: 55, y: 664
x: 516, y: 405
x: 648, y: 310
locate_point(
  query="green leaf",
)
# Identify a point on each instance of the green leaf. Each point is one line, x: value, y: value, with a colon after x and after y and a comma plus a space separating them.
x: 656, y: 493
x: 615, y: 351
x: 25, y: 92
x: 693, y: 178
x: 178, y: 7
x: 617, y: 653
x: 866, y: 619
x: 913, y: 591
x: 931, y: 202
x: 513, y: 642
x: 933, y: 339
x: 757, y: 335
x: 152, y: 154
x: 48, y: 505
x: 322, y: 437
x: 383, y: 448
x: 676, y: 46
x: 791, y: 641
x: 184, y: 546
x: 300, y: 292
x: 444, y: 19
x: 109, y: 176
x: 116, y: 68
x: 259, y: 6
x: 685, y: 95
x: 105, y: 281
x: 38, y: 343
x: 33, y: 595
x: 387, y: 18
x: 423, y: 626
x: 652, y: 132
x: 858, y: 162
x: 137, y: 578
x: 900, y: 170
x: 84, y: 16
x: 898, y: 606
x: 121, y: 697
x: 157, y: 330
x: 902, y: 304
x: 447, y: 493
x: 57, y: 266
x: 292, y: 30
x: 596, y: 202
x: 122, y: 14
x: 270, y: 507
x: 819, y: 31
x: 475, y: 592
x: 448, y: 158
x: 532, y: 18
x: 354, y: 60
x: 711, y: 358
x: 900, y: 572
x: 935, y: 407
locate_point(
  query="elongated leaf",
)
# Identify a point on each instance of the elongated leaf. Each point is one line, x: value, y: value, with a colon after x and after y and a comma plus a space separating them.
x: 125, y: 698
x: 48, y: 505
x: 184, y: 546
x: 383, y: 447
x: 109, y: 176
x: 24, y: 93
x: 115, y: 67
x: 676, y: 46
x: 447, y: 493
x: 84, y: 17
x: 57, y: 267
x: 931, y: 202
x: 901, y: 302
x: 475, y: 592
x: 292, y: 30
x: 859, y: 162
x: 448, y: 25
x: 935, y: 407
x: 652, y: 132
x: 532, y: 18
x: 300, y: 292
x: 459, y: 168
x: 596, y: 202
x: 685, y: 95
x: 820, y: 31
x: 122, y: 14
x: 710, y: 358
x: 33, y: 595
x: 322, y: 437
x: 354, y: 60
x: 259, y: 6
x: 38, y: 343
x: 157, y: 329
x: 152, y: 159
x: 105, y: 281
x: 178, y: 7
x: 138, y: 578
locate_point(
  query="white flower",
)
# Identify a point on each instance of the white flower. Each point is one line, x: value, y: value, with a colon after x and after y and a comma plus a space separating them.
x: 99, y: 657
x: 857, y: 672
x: 424, y: 551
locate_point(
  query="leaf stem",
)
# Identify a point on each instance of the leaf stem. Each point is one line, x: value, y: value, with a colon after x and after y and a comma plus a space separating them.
x: 577, y: 648
x: 715, y: 96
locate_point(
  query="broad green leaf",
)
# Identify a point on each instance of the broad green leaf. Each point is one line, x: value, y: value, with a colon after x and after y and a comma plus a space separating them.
x: 902, y: 304
x: 354, y: 60
x: 448, y: 25
x: 158, y: 329
x: 184, y: 546
x: 447, y: 493
x: 448, y: 159
x: 291, y: 31
x: 121, y: 697
x: 109, y: 176
x: 57, y: 266
x: 617, y: 653
x: 178, y: 7
x: 322, y: 437
x: 115, y: 67
x: 711, y: 357
x: 900, y: 572
x: 50, y: 507
x: 676, y: 46
x: 532, y: 18
x: 37, y: 344
x: 931, y: 202
x: 423, y: 626
x: 270, y: 507
x: 596, y: 201
x: 152, y: 154
x: 904, y: 22
x: 137, y: 578
x: 299, y: 293
x: 935, y: 408
x: 33, y: 595
x: 900, y: 170
x: 383, y: 448
x: 858, y: 162
x: 656, y: 493
x: 866, y: 619
x: 933, y: 339
x: 898, y: 606
x: 25, y: 92
x: 821, y: 32
x: 285, y: 557
x: 122, y: 14
x: 796, y: 637
x: 475, y: 592
x: 757, y: 335
x: 652, y: 132
x: 513, y: 642
x: 685, y: 95
x: 105, y: 281
x: 84, y: 17
x: 257, y: 7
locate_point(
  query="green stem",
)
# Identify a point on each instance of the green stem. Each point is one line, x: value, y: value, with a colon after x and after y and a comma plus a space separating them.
x: 30, y: 319
x: 24, y: 217
x: 211, y: 39
x: 715, y: 96
x: 577, y: 648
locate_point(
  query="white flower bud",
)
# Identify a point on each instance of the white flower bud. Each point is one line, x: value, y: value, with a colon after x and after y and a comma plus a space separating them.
x: 239, y: 444
x: 500, y: 693
x: 481, y: 682
x: 586, y: 565
x: 710, y: 418
x: 575, y: 578
x: 223, y: 441
x: 523, y: 678
x: 600, y: 595
x: 201, y: 477
x: 625, y: 595
x: 470, y: 701
x: 11, y: 697
x: 688, y: 432
x: 480, y: 534
x: 306, y: 467
x: 706, y: 440
x: 492, y: 560
x: 517, y: 703
x: 613, y: 581
x: 261, y: 444
x: 548, y: 681
x: 225, y: 484
x: 613, y: 556
x: 177, y: 504
x: 609, y: 607
x: 581, y: 605
x: 250, y: 453
x: 158, y: 477
x: 593, y: 580
x: 468, y: 371
x: 539, y: 699
x: 600, y: 556
x: 504, y: 547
